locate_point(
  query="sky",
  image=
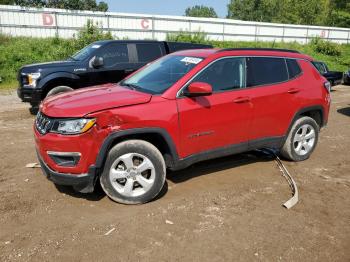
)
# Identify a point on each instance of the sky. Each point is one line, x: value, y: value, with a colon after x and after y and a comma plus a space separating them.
x: 164, y: 7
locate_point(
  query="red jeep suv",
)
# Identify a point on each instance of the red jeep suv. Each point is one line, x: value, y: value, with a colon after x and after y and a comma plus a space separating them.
x: 183, y: 108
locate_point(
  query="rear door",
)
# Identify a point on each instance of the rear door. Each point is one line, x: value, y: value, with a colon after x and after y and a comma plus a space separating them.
x: 146, y: 52
x: 274, y: 95
x: 221, y: 119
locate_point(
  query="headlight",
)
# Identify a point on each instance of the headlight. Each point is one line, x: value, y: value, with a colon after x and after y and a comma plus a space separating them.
x: 72, y: 126
x: 32, y: 79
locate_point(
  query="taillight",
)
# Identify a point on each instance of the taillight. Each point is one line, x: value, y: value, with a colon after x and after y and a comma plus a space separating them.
x: 328, y: 86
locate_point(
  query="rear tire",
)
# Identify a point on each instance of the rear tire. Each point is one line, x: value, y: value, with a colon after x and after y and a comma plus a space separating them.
x: 134, y: 172
x: 59, y: 89
x: 302, y: 139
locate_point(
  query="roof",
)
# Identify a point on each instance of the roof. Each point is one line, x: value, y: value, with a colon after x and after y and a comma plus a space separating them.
x: 244, y: 52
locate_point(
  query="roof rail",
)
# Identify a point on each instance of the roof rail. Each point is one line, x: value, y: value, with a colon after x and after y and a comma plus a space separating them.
x: 259, y: 49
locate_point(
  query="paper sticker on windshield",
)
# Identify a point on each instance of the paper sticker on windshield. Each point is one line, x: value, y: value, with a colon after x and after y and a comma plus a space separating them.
x: 191, y: 60
x: 95, y: 46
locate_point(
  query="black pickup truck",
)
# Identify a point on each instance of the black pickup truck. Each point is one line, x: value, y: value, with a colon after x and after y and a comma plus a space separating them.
x: 98, y: 63
x: 334, y: 77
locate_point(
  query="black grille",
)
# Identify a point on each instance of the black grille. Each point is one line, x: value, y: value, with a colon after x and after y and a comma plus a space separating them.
x: 43, y: 123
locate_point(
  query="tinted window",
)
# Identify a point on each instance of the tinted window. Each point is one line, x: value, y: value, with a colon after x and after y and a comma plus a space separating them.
x: 114, y: 54
x: 293, y: 68
x: 266, y: 70
x: 177, y: 46
x: 148, y: 52
x: 225, y: 74
x: 320, y: 67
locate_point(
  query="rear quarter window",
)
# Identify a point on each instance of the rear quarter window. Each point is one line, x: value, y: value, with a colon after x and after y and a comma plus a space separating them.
x: 265, y: 71
x: 294, y: 69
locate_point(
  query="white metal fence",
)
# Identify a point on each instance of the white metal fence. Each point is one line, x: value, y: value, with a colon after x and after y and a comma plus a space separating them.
x: 17, y: 21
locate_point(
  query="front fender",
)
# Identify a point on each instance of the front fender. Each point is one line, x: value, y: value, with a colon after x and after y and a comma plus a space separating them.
x: 51, y: 77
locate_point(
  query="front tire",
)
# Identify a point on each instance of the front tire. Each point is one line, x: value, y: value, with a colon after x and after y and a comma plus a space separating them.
x: 59, y: 89
x: 134, y: 172
x: 34, y: 108
x: 302, y: 139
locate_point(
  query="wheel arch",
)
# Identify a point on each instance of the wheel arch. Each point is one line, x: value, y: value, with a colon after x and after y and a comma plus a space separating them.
x: 58, y: 79
x: 315, y: 112
x: 158, y: 137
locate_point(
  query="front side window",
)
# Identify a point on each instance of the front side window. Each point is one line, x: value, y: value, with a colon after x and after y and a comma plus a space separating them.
x: 162, y: 74
x: 114, y: 54
x: 265, y: 71
x: 224, y: 74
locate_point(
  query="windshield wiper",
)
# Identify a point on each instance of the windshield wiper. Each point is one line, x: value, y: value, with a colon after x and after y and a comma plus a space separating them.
x: 74, y: 59
x: 132, y: 86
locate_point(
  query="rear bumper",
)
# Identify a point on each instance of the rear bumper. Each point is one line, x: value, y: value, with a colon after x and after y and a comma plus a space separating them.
x: 30, y: 95
x: 84, y: 183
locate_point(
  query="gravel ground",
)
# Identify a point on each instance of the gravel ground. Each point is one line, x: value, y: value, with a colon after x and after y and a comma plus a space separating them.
x: 229, y: 209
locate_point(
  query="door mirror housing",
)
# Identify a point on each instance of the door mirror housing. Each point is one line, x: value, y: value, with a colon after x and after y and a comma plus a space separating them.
x: 97, y: 62
x: 198, y: 89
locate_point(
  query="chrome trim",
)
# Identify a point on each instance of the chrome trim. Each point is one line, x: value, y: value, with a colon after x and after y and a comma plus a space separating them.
x: 54, y: 153
x: 245, y: 56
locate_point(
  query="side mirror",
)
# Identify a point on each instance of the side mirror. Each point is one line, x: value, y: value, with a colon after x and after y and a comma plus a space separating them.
x: 97, y: 62
x: 198, y: 89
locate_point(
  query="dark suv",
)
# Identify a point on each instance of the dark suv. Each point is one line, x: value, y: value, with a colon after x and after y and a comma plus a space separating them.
x: 186, y: 107
x: 99, y: 63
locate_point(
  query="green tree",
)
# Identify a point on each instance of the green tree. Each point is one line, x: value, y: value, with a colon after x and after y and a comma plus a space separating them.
x: 308, y: 12
x: 65, y: 4
x: 7, y: 2
x: 339, y: 13
x: 200, y: 11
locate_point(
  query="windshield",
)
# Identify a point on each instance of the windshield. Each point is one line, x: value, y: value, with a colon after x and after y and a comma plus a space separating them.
x: 162, y: 74
x: 85, y: 52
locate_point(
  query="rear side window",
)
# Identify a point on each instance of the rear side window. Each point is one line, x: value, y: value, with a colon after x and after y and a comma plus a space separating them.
x: 265, y: 71
x: 114, y: 54
x: 293, y: 68
x: 148, y: 52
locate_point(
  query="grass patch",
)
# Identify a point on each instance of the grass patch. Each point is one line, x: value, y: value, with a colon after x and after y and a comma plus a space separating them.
x: 18, y: 51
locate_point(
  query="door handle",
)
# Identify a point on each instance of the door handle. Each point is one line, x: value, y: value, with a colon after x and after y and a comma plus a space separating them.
x: 128, y: 70
x: 293, y: 90
x: 244, y: 99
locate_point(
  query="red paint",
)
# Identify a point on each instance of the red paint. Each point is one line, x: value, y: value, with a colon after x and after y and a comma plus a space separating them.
x: 195, y: 124
x: 200, y: 88
x: 145, y: 24
x: 48, y: 19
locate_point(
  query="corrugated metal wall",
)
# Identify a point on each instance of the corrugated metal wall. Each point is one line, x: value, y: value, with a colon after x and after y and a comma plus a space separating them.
x: 17, y: 21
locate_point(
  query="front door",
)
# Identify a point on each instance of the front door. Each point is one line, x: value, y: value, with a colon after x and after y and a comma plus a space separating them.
x: 219, y: 120
x: 116, y: 64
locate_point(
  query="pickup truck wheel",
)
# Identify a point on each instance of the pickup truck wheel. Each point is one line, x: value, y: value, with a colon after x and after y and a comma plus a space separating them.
x: 302, y: 139
x: 134, y: 172
x: 34, y: 108
x: 59, y: 89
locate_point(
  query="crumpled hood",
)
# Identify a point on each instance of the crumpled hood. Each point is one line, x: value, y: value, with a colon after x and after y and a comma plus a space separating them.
x: 88, y: 100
